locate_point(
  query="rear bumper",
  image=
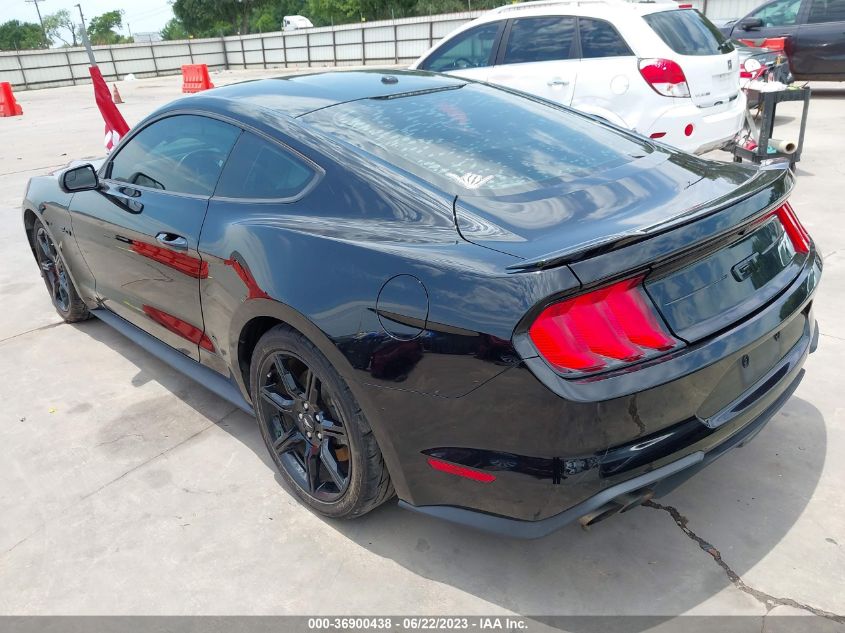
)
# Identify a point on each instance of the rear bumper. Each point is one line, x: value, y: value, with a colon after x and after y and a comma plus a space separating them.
x: 709, y: 131
x: 661, y: 480
x: 556, y: 461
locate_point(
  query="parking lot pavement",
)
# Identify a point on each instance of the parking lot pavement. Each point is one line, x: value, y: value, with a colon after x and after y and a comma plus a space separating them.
x: 126, y: 488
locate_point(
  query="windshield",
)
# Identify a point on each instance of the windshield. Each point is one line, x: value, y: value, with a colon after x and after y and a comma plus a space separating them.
x: 479, y: 138
x: 687, y: 32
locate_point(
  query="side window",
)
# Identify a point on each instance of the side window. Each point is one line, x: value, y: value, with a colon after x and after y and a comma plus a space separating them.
x: 826, y: 11
x: 778, y: 13
x: 260, y: 169
x: 182, y: 154
x: 470, y: 49
x: 600, y: 39
x: 540, y: 40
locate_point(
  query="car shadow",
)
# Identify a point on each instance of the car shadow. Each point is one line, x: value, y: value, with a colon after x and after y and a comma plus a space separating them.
x: 639, y: 563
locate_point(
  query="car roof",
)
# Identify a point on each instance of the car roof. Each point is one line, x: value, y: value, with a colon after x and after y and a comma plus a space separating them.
x: 295, y: 95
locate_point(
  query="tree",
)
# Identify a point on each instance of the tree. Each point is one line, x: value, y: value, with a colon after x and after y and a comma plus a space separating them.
x: 208, y: 18
x: 60, y: 26
x: 15, y: 34
x: 101, y: 29
x: 174, y: 30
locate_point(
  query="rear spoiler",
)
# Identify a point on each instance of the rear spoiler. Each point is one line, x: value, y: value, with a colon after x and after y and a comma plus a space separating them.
x: 745, y: 201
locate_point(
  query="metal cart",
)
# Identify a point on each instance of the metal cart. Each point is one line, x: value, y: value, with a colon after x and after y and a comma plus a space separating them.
x: 768, y: 103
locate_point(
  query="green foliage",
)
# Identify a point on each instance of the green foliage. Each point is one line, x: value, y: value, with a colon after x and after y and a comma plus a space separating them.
x: 102, y: 28
x: 61, y: 27
x: 15, y: 34
x: 212, y: 18
x: 174, y: 30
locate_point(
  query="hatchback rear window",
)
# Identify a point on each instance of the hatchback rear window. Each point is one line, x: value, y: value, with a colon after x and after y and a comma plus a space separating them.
x: 687, y: 32
x: 479, y: 138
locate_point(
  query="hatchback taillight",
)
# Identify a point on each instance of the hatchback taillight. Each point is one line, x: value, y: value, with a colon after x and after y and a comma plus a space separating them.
x: 665, y: 77
x: 604, y: 329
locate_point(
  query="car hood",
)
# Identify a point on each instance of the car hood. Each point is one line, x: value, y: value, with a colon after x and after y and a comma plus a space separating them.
x: 573, y: 217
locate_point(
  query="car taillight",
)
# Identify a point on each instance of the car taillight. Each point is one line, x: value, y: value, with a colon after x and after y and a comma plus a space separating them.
x: 794, y: 230
x: 665, y: 77
x: 604, y: 329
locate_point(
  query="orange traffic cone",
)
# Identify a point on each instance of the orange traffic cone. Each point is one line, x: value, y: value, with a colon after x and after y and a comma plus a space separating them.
x: 8, y: 105
x: 115, y: 95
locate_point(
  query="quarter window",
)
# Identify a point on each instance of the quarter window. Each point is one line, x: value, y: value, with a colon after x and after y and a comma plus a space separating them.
x: 826, y: 11
x: 600, y: 39
x: 260, y: 169
x: 182, y: 154
x: 778, y: 13
x: 470, y: 49
x: 540, y: 40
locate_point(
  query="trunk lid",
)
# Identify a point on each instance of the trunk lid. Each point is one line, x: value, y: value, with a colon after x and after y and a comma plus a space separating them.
x: 709, y: 61
x: 575, y: 215
x: 726, y: 284
x: 696, y: 225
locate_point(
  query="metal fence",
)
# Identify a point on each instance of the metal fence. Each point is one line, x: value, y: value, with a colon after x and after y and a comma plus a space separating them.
x: 384, y: 42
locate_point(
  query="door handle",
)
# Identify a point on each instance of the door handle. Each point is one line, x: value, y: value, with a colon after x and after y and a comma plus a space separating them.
x: 557, y: 81
x: 173, y: 241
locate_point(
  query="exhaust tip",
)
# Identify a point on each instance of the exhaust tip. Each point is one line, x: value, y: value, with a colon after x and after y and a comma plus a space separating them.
x: 600, y: 514
x: 620, y: 504
x: 631, y: 500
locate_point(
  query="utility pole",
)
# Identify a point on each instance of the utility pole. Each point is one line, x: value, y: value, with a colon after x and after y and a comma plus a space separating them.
x: 38, y: 11
x: 85, y: 39
x: 129, y: 26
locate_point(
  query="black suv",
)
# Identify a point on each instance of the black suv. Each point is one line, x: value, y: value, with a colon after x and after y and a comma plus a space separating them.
x: 816, y: 32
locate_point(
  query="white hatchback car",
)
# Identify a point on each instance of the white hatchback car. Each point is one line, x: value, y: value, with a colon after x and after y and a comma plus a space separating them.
x: 661, y: 69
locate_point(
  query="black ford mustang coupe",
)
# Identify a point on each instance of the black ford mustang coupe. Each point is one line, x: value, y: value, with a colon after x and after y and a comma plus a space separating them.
x: 503, y: 312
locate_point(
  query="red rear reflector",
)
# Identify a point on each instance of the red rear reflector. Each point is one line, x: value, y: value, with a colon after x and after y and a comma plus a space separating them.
x: 689, y: 129
x: 685, y: 6
x: 603, y: 329
x: 657, y: 135
x: 797, y: 233
x: 460, y: 471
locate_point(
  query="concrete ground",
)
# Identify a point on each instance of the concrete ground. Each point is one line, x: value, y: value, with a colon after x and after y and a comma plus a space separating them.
x: 125, y: 488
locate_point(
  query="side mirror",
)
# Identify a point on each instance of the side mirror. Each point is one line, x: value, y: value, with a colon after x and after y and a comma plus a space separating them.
x: 81, y: 178
x: 750, y: 24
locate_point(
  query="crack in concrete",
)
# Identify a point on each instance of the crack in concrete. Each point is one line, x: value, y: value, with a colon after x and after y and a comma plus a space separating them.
x: 767, y: 600
x: 117, y: 439
x: 49, y: 326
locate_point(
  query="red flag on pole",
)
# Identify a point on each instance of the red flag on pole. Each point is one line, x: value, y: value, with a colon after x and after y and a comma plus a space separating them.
x: 116, y: 126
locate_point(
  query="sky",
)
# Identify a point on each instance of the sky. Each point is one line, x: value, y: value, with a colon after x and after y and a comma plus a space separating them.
x: 144, y: 16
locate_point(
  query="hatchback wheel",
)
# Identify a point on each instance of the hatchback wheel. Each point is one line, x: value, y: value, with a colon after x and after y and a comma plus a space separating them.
x: 316, y: 433
x: 63, y: 294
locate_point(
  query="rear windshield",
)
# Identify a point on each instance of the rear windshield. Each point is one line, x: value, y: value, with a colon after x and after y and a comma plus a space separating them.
x: 479, y: 138
x: 687, y: 32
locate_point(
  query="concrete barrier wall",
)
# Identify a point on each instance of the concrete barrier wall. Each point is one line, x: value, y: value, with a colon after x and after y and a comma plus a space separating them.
x: 383, y: 42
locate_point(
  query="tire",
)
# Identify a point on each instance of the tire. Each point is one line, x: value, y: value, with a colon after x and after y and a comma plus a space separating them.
x: 301, y: 403
x: 63, y: 294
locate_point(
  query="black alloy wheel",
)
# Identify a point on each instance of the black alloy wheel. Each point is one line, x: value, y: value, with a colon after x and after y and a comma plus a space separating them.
x: 318, y: 437
x: 63, y: 294
x: 52, y: 270
x: 308, y: 436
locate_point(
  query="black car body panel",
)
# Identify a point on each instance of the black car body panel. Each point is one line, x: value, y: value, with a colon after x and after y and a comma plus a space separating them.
x: 421, y: 297
x: 815, y: 32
